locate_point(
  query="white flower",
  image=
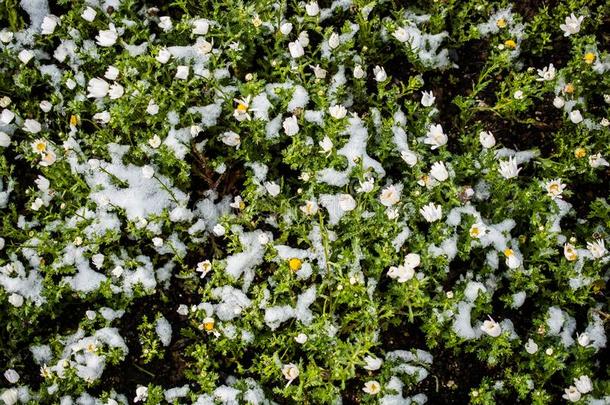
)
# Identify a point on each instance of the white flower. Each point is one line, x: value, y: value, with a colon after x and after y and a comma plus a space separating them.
x: 372, y: 387
x: 204, y: 268
x: 291, y: 126
x: 200, y: 27
x: 491, y: 327
x: 312, y: 9
x: 7, y: 116
x: 89, y: 14
x: 45, y: 105
x: 286, y: 28
x: 5, y: 140
x: 182, y: 310
x: 141, y: 394
x: 487, y: 139
x: 6, y: 36
x: 25, y: 56
x: 102, y: 117
x: 409, y: 157
x: 32, y: 126
x: 439, y: 171
x: 380, y: 74
x: 15, y: 300
x: 296, y: 49
x: 218, y: 230
x: 230, y: 138
x: 203, y: 47
x: 11, y: 376
x: 163, y: 56
x: 301, y: 338
x: 547, y: 73
x: 303, y: 39
x: 158, y: 242
x: 435, y: 136
x: 508, y: 168
x: 531, y: 347
x: 583, y: 384
x: 148, y: 172
x: 346, y: 202
x: 597, y: 248
x: 583, y: 339
x: 519, y: 95
x: 240, y: 113
x: 107, y: 37
x: 337, y: 111
x: 572, y: 394
x: 372, y: 363
x: 569, y: 251
x: 572, y: 25
x: 48, y: 25
x: 554, y: 188
x: 310, y: 207
x: 10, y: 396
x: 152, y: 107
x: 272, y: 188
x: 559, y: 102
x: 165, y: 23
x: 116, y: 91
x: 290, y: 371
x: 401, y: 273
x: 334, y: 41
x: 182, y: 72
x: 318, y: 72
x: 431, y: 212
x: 427, y: 98
x: 575, y: 116
x: 37, y: 204
x: 366, y: 186
x: 390, y: 195
x: 111, y: 73
x: 97, y: 88
x: 512, y: 261
x: 477, y: 230
x: 326, y: 144
x: 597, y: 160
x: 359, y: 72
x: 401, y: 34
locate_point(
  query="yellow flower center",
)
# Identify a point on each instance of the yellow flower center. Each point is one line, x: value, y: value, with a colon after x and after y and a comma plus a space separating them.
x: 508, y: 252
x: 40, y: 146
x: 208, y: 326
x: 501, y: 23
x: 589, y: 57
x: 569, y: 88
x: 474, y: 231
x: 580, y: 153
x: 295, y: 264
x: 241, y: 107
x: 509, y: 43
x: 73, y: 120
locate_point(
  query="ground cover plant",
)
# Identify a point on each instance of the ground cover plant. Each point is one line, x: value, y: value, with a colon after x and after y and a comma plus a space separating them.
x: 348, y: 201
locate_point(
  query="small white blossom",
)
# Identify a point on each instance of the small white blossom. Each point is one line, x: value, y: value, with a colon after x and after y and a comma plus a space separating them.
x: 427, y: 98
x: 439, y: 171
x: 487, y: 139
x: 431, y: 212
x: 576, y: 116
x: 346, y: 202
x: 572, y: 394
x: 597, y: 248
x: 182, y: 72
x: 583, y: 384
x: 97, y: 88
x: 531, y: 347
x: 291, y: 126
x: 200, y: 27
x: 372, y: 387
x: 380, y: 74
x: 409, y: 157
x: 148, y: 172
x: 547, y: 73
x: 296, y: 49
x: 89, y: 14
x: 509, y: 169
x: 337, y: 111
x: 435, y: 136
x: 554, y: 188
x: 107, y: 37
x: 491, y: 327
x: 572, y: 25
x: 372, y: 363
x: 290, y: 371
x: 312, y: 9
x: 49, y: 23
